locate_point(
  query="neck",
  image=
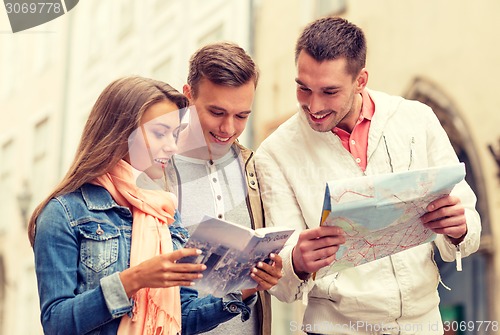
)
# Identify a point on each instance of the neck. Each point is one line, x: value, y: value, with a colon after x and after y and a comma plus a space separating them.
x: 193, y: 144
x: 351, y: 118
x: 360, y: 103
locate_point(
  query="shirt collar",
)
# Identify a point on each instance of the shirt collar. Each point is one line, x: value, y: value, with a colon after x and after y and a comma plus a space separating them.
x: 230, y: 155
x: 368, y: 107
x: 367, y: 111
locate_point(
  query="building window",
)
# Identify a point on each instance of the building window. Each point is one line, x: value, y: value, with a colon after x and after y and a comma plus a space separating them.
x: 7, y: 66
x: 27, y: 299
x: 164, y: 70
x: 160, y: 5
x: 97, y: 40
x: 45, y: 48
x: 3, y: 284
x: 330, y: 7
x: 40, y: 148
x: 125, y: 19
x: 216, y: 34
x: 7, y: 166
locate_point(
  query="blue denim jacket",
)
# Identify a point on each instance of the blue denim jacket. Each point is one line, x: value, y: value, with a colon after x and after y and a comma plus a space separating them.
x: 82, y: 242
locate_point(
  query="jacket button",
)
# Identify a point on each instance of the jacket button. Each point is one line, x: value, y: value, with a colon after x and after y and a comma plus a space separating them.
x: 251, y: 174
x: 252, y: 182
x: 233, y: 308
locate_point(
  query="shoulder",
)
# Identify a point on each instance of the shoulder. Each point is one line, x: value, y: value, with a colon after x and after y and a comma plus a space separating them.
x: 81, y: 201
x: 62, y: 204
x: 385, y: 101
x: 57, y: 215
x: 240, y: 148
x: 88, y: 195
x: 400, y: 112
x: 285, y: 134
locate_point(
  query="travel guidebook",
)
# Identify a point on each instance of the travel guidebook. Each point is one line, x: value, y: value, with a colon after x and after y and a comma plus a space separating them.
x: 380, y: 214
x: 230, y: 251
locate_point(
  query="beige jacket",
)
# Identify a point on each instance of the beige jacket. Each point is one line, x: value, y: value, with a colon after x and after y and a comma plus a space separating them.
x: 393, y: 295
x: 254, y: 204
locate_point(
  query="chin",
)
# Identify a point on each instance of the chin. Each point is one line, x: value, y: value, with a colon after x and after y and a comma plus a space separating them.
x: 220, y: 149
x: 154, y: 172
x: 320, y: 128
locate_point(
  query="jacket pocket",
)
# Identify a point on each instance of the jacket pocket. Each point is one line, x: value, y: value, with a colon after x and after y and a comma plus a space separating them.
x: 99, y: 248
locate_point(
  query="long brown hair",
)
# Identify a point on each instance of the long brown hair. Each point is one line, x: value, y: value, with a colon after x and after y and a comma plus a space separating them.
x: 116, y: 113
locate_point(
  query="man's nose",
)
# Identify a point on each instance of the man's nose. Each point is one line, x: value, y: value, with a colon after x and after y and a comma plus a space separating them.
x: 315, y: 104
x: 227, y: 126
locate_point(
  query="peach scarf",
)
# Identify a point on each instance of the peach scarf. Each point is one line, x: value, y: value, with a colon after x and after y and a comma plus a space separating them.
x: 157, y: 311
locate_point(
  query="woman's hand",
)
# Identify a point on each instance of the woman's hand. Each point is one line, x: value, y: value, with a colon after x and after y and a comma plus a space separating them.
x: 162, y: 271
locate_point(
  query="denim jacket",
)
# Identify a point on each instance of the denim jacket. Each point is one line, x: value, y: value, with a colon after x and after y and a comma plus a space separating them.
x: 82, y: 243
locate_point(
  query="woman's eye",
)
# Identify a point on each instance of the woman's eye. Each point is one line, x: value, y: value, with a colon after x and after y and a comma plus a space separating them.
x: 159, y: 134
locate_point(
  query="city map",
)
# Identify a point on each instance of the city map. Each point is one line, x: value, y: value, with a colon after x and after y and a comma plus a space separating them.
x: 380, y: 214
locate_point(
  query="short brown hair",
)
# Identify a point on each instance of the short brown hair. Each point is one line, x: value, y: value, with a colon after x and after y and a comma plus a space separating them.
x: 223, y: 63
x: 332, y: 38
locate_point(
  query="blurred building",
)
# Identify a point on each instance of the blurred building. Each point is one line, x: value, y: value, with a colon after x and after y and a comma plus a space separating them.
x: 51, y: 76
x: 442, y: 53
x: 33, y: 67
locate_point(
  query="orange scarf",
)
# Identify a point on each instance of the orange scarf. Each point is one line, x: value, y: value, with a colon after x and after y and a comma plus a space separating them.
x: 157, y: 311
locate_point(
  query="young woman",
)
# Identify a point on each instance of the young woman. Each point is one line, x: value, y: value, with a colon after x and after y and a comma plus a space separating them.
x: 86, y: 266
x: 104, y: 239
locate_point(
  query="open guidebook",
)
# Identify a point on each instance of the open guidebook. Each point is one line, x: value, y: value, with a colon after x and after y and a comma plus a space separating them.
x: 380, y: 214
x: 230, y: 251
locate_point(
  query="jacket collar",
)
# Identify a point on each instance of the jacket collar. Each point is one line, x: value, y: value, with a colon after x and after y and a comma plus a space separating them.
x: 97, y: 197
x: 246, y: 153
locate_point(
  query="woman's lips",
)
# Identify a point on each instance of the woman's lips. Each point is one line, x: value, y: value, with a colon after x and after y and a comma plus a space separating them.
x: 162, y: 161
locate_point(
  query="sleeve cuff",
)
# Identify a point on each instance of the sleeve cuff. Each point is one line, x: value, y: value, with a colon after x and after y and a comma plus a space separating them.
x: 233, y: 303
x: 290, y: 287
x: 115, y: 296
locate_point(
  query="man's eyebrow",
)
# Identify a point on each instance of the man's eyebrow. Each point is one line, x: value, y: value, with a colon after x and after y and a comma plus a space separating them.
x: 217, y: 108
x: 326, y: 88
x: 299, y: 82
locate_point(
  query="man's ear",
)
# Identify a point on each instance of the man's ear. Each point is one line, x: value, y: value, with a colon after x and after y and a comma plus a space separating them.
x: 361, y: 80
x: 186, y: 89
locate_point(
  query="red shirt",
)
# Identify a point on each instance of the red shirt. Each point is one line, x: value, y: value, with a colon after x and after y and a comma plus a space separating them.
x: 357, y: 141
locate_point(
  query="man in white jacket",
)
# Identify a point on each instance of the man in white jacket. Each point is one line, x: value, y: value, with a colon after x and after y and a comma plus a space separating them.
x: 346, y: 130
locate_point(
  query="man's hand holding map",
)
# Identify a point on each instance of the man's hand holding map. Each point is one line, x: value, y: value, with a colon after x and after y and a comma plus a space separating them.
x: 380, y: 214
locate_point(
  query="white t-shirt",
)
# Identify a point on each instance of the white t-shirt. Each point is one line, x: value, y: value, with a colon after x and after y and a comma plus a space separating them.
x: 219, y: 190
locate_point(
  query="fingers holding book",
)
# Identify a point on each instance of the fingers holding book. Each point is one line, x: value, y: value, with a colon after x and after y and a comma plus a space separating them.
x: 162, y: 271
x: 268, y: 272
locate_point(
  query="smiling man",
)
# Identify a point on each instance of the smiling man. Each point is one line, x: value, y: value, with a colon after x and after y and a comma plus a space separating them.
x: 217, y: 174
x: 345, y: 130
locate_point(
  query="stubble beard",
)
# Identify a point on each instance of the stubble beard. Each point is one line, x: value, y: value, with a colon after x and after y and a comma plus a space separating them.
x: 322, y: 127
